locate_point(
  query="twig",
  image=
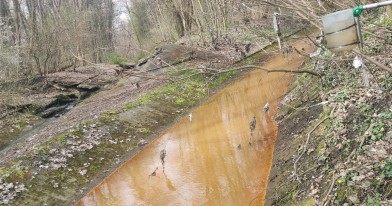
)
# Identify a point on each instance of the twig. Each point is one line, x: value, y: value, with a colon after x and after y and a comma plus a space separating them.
x: 186, y: 59
x: 152, y: 55
x: 314, y: 42
x: 373, y: 61
x: 308, y: 107
x: 273, y: 70
x: 374, y: 35
x: 307, y: 141
x: 325, y: 202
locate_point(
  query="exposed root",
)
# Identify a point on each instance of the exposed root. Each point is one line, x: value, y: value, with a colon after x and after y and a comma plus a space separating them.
x: 326, y: 200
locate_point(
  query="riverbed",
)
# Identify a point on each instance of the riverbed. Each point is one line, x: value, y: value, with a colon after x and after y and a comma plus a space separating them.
x: 219, y: 154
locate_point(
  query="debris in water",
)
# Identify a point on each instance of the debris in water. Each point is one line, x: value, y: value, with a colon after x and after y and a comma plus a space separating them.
x: 266, y: 107
x: 252, y: 125
x: 162, y: 156
x: 154, y: 173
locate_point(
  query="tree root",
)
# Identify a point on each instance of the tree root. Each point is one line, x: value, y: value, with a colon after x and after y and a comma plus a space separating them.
x: 326, y: 200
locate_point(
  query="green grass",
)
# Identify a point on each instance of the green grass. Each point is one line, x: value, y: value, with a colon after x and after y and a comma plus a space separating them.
x: 139, y: 56
x: 388, y: 168
x: 116, y: 59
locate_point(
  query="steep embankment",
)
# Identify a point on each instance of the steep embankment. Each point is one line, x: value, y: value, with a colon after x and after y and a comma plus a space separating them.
x: 335, y: 135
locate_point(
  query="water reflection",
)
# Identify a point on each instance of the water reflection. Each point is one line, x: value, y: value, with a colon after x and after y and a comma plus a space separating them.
x: 212, y: 159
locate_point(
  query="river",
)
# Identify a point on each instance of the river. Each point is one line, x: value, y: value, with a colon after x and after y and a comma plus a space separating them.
x: 212, y: 157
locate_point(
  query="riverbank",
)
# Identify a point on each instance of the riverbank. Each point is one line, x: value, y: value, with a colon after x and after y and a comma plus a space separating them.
x: 334, y: 143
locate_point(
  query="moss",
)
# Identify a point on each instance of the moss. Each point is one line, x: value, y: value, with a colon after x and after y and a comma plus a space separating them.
x: 140, y: 101
x: 12, y: 127
x: 89, y: 122
x: 108, y: 117
x: 12, y: 174
x: 223, y: 77
x: 290, y: 197
x: 321, y: 147
x: 182, y: 93
x: 307, y: 202
x: 144, y: 130
x: 182, y: 72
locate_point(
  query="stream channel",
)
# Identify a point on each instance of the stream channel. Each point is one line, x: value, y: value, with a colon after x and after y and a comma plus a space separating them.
x: 213, y: 157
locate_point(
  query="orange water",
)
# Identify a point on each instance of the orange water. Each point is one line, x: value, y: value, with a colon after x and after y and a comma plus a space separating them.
x: 204, y: 164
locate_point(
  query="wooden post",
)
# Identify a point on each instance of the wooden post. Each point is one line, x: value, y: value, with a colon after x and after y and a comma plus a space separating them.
x: 276, y: 24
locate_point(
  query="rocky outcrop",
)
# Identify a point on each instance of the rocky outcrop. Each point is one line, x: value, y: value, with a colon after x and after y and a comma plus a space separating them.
x: 54, y: 94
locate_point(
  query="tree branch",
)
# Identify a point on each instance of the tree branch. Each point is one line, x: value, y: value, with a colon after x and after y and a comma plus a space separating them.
x: 273, y: 70
x: 380, y: 65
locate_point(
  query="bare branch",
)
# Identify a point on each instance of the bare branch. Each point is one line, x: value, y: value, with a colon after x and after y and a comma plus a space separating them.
x: 380, y: 65
x: 273, y: 70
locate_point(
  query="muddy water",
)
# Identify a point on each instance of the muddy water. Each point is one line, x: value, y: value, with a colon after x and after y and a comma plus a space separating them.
x: 212, y: 158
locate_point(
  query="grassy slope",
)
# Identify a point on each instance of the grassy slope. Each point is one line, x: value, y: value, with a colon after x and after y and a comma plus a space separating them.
x: 347, y: 158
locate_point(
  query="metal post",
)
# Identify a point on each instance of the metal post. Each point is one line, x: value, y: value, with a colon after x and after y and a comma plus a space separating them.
x: 375, y: 5
x: 359, y: 31
x: 358, y: 10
